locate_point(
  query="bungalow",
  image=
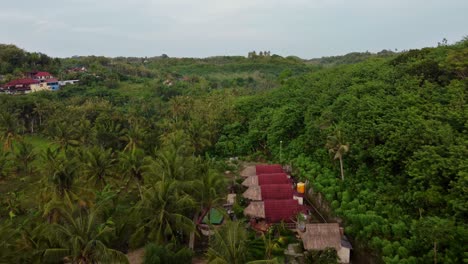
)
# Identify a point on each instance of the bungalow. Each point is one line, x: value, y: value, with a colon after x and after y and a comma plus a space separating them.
x: 275, y: 211
x: 261, y: 169
x: 269, y: 192
x: 323, y: 236
x: 265, y: 169
x: 262, y: 179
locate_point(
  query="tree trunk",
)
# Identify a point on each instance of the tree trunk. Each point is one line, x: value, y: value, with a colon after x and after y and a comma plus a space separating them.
x: 341, y: 168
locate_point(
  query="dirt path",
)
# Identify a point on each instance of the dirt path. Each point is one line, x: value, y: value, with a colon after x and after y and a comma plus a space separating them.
x: 136, y: 256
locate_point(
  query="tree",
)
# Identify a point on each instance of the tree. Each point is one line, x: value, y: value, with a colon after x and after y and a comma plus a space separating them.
x: 159, y: 254
x: 134, y: 137
x: 99, y: 165
x: 335, y: 145
x: 9, y: 129
x: 163, y: 211
x: 131, y: 167
x: 228, y: 244
x: 24, y: 156
x: 81, y: 237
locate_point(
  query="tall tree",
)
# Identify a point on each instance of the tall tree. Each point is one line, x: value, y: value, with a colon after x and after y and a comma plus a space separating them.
x: 81, y: 237
x: 337, y: 146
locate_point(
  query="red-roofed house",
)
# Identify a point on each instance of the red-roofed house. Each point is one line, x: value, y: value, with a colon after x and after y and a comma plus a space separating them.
x: 263, y: 169
x: 20, y: 85
x: 42, y: 76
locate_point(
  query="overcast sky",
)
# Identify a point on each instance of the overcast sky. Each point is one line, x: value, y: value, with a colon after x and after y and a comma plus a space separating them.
x: 202, y: 28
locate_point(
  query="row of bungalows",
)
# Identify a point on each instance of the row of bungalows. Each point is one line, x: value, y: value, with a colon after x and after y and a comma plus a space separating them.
x: 34, y: 82
x: 272, y: 196
x: 273, y: 199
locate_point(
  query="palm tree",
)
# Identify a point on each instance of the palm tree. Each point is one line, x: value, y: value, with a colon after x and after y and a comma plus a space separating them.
x: 134, y: 137
x: 211, y: 188
x: 24, y: 156
x: 61, y: 171
x: 131, y: 167
x: 163, y: 211
x: 4, y: 163
x: 228, y: 244
x: 81, y: 237
x: 99, y: 165
x: 8, y: 252
x: 174, y: 161
x: 9, y: 128
x: 335, y: 145
x: 62, y: 134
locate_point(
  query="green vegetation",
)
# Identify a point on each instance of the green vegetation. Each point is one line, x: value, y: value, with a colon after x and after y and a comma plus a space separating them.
x: 134, y: 153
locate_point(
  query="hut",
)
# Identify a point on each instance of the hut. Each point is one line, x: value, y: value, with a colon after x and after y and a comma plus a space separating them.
x: 269, y: 192
x: 274, y: 211
x: 248, y: 171
x: 262, y: 179
x: 264, y: 169
x: 323, y: 236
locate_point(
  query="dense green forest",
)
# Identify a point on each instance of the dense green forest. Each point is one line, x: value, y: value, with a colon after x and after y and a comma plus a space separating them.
x: 85, y: 171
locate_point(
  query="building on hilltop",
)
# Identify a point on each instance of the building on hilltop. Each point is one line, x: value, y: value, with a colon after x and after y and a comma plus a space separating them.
x: 19, y: 85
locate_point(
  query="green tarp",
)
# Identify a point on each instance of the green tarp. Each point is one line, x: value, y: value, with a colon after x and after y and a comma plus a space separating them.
x: 216, y: 217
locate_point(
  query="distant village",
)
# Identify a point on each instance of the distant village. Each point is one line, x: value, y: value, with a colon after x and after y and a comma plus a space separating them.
x: 37, y: 81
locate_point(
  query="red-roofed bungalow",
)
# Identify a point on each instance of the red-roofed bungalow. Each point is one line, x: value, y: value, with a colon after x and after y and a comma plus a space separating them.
x: 263, y: 169
x: 275, y: 211
x: 269, y: 192
x: 262, y: 179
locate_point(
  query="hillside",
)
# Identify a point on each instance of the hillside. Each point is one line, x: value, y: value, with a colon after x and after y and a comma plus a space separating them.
x: 383, y: 138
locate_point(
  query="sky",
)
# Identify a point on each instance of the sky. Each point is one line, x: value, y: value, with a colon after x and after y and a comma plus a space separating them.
x: 203, y: 28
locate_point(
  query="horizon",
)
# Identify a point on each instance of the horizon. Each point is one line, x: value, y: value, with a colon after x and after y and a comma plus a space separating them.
x: 182, y: 29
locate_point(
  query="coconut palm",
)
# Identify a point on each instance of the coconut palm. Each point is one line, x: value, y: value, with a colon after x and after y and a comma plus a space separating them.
x: 174, y: 162
x: 61, y: 171
x: 210, y: 187
x: 62, y: 134
x: 8, y: 252
x: 131, y: 167
x: 4, y: 163
x: 163, y: 209
x: 24, y: 156
x: 99, y: 165
x: 9, y: 128
x: 81, y: 237
x: 335, y: 145
x: 228, y: 245
x: 134, y: 137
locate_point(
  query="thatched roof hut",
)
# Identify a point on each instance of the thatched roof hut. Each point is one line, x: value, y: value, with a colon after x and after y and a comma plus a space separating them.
x: 253, y: 193
x: 269, y: 192
x: 321, y: 236
x: 274, y: 211
x: 255, y: 209
x: 248, y: 171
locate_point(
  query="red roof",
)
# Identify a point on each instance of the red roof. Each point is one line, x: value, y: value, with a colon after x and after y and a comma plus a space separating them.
x: 274, y: 168
x: 273, y: 178
x: 277, y: 191
x: 40, y: 74
x: 281, y: 210
x: 26, y: 81
x: 51, y: 80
